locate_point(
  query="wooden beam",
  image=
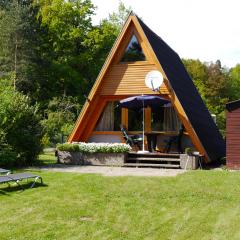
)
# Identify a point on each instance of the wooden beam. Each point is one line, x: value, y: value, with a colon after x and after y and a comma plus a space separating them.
x: 147, y: 120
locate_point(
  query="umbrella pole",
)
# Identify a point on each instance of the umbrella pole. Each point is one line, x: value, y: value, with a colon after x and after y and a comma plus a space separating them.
x: 143, y: 135
x: 143, y: 147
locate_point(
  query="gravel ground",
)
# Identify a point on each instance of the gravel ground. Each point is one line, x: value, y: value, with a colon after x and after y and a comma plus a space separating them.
x: 115, y: 171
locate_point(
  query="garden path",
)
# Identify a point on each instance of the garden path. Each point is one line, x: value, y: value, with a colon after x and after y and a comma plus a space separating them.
x: 114, y: 171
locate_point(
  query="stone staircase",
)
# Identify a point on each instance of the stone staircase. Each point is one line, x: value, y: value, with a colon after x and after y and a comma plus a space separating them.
x: 158, y: 160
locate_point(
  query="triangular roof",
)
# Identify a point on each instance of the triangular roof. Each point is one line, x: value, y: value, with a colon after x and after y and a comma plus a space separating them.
x: 185, y: 96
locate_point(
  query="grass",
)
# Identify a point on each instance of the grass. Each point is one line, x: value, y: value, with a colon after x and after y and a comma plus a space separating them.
x: 47, y: 158
x: 196, y: 205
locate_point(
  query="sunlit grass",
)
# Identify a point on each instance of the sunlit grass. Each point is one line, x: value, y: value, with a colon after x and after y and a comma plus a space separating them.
x: 196, y: 205
x: 47, y: 158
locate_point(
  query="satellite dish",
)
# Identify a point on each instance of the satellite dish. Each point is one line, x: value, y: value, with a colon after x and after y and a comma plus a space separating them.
x: 154, y: 80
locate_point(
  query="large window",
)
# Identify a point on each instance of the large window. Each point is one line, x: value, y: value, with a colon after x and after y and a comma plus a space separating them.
x: 110, y: 118
x: 133, y: 51
x: 171, y: 121
x: 135, y: 120
x: 164, y: 119
x: 157, y: 118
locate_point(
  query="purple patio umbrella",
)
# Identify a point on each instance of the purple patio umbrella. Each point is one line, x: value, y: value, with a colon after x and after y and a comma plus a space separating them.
x: 143, y: 101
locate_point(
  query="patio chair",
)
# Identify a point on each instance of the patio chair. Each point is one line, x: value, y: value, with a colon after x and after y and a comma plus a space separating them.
x: 17, y: 177
x: 131, y: 139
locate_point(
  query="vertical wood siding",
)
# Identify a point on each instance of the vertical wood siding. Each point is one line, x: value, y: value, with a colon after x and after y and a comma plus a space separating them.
x: 233, y: 139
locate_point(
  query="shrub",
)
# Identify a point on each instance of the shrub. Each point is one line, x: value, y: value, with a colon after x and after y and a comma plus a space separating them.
x: 68, y: 147
x: 8, y: 157
x: 20, y: 128
x: 94, y: 147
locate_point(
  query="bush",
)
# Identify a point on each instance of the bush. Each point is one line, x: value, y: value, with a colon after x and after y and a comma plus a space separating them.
x: 20, y: 128
x: 59, y: 119
x: 8, y: 157
x: 94, y: 147
x: 68, y: 147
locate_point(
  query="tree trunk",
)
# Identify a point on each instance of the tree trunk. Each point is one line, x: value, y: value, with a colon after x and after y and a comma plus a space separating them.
x: 15, y: 63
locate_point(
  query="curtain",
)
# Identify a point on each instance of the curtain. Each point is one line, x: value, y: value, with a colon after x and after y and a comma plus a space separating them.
x: 106, y: 121
x: 171, y: 121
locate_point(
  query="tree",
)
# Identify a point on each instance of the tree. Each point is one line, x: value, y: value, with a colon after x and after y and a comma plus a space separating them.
x: 198, y: 72
x: 15, y: 41
x: 67, y: 24
x: 118, y: 18
x: 212, y: 82
x: 234, y: 83
x: 59, y: 119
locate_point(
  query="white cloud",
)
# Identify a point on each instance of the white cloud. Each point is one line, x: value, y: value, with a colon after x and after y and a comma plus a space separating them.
x: 203, y: 29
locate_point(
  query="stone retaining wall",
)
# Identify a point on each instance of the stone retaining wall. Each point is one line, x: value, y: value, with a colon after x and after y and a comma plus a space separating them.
x: 77, y: 158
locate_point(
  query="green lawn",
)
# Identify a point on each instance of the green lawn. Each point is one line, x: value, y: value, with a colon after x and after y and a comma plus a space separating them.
x: 47, y: 158
x: 196, y: 205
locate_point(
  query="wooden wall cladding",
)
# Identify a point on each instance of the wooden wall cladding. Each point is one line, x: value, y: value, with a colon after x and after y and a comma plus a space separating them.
x: 128, y: 79
x: 233, y: 139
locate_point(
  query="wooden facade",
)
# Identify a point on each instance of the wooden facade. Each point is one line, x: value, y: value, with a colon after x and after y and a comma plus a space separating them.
x: 233, y: 135
x: 118, y: 80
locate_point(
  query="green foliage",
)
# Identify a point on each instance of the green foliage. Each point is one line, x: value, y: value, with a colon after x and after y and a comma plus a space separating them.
x: 20, y: 129
x: 59, y: 119
x: 66, y: 24
x: 234, y: 84
x: 118, y: 18
x: 95, y: 147
x: 68, y: 147
x: 17, y: 36
x: 214, y: 85
x: 7, y: 155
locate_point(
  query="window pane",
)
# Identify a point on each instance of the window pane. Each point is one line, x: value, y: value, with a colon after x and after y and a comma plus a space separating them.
x: 171, y: 120
x: 157, y: 119
x: 117, y: 117
x: 110, y: 118
x: 135, y: 120
x: 133, y: 51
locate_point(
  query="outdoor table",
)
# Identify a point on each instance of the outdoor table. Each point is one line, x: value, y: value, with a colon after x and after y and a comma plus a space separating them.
x: 152, y: 138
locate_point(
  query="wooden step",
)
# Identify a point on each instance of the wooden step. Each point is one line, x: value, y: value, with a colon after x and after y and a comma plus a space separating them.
x: 151, y: 165
x: 165, y: 155
x: 153, y: 159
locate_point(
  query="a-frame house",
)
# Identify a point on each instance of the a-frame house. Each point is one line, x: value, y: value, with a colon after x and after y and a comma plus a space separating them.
x: 123, y: 76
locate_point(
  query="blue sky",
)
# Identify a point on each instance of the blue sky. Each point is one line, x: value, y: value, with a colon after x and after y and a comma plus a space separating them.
x: 207, y: 30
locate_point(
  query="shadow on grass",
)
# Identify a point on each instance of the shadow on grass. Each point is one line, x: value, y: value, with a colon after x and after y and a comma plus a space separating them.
x: 16, y: 188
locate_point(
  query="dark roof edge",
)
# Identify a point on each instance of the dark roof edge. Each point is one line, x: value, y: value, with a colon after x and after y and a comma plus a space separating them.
x: 141, y: 21
x: 231, y: 106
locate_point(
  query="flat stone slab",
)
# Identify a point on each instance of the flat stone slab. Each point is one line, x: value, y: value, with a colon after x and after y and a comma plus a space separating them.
x: 115, y: 171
